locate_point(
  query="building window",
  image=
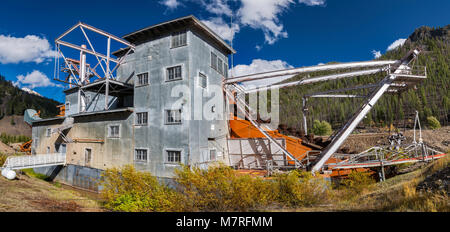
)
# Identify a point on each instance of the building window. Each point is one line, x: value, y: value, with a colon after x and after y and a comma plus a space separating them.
x: 173, y: 116
x: 141, y: 155
x: 203, y: 80
x: 179, y: 39
x: 220, y: 66
x: 142, y: 79
x: 173, y: 156
x: 114, y: 131
x: 48, y: 150
x: 212, y: 155
x: 142, y: 118
x: 48, y: 132
x: 174, y: 73
x: 213, y: 61
x: 88, y: 155
x: 67, y: 106
x: 225, y: 69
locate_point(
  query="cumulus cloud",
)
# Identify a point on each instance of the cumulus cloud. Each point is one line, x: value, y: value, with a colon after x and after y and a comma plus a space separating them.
x: 34, y: 79
x: 259, y: 66
x: 30, y: 48
x: 396, y: 44
x: 218, y: 7
x: 221, y: 28
x: 171, y: 4
x: 264, y: 15
x: 376, y: 54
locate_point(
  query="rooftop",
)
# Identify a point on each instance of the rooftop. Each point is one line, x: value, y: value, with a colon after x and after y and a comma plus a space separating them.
x: 169, y: 26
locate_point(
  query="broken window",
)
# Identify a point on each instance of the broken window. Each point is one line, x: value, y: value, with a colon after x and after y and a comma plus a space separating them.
x: 88, y: 155
x: 173, y: 156
x: 142, y: 118
x: 114, y: 131
x: 203, y: 80
x: 174, y: 73
x: 142, y: 79
x: 179, y: 39
x: 173, y: 116
x: 141, y: 155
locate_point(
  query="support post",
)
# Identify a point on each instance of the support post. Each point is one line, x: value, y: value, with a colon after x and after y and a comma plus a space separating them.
x: 305, y: 110
x: 108, y: 73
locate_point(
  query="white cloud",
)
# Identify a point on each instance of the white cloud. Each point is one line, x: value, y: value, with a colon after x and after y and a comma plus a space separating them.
x: 34, y: 79
x: 259, y: 66
x: 264, y: 15
x: 218, y: 7
x: 396, y: 44
x: 171, y: 4
x: 312, y: 2
x: 31, y: 48
x: 221, y: 28
x: 376, y: 54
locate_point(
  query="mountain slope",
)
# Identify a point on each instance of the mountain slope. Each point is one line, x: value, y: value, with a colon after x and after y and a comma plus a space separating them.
x: 431, y: 98
x: 14, y: 101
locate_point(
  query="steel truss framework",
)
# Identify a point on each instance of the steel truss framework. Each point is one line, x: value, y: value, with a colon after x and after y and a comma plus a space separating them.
x: 400, y: 76
x: 81, y: 74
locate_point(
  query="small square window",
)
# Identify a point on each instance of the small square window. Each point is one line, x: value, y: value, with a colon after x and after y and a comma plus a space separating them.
x: 67, y: 106
x: 114, y: 131
x: 174, y: 73
x: 179, y: 39
x: 173, y: 156
x: 141, y: 119
x: 173, y: 116
x: 141, y: 155
x: 142, y: 79
x: 203, y: 80
x: 48, y: 132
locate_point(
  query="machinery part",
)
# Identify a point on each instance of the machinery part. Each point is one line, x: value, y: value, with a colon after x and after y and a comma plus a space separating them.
x: 26, y: 147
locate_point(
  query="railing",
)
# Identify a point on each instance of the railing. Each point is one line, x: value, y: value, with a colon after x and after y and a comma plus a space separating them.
x: 34, y: 161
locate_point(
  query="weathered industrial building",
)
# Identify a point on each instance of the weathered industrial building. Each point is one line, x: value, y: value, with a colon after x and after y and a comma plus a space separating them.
x: 165, y: 99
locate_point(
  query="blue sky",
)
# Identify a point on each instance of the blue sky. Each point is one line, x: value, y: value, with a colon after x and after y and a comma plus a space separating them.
x: 267, y: 34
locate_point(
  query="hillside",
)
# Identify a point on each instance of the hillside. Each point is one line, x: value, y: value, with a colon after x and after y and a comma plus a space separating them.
x: 431, y: 98
x: 14, y: 101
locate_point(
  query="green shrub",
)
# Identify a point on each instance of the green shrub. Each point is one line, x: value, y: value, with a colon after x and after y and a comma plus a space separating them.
x: 221, y: 189
x: 3, y: 158
x: 433, y: 123
x: 300, y: 188
x: 321, y: 128
x: 128, y: 190
x: 358, y: 181
x: 31, y: 173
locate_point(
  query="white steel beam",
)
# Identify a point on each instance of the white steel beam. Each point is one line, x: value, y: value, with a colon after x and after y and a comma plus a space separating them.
x: 345, y: 131
x: 318, y: 79
x: 296, y: 71
x: 85, y: 50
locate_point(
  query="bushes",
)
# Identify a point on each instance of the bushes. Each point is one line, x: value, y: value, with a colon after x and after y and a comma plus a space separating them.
x: 433, y: 123
x: 128, y: 190
x: 301, y: 189
x: 358, y: 181
x: 2, y: 159
x: 7, y: 139
x: 321, y: 128
x: 219, y: 188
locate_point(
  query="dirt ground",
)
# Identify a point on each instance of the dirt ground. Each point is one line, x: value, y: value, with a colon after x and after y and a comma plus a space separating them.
x: 34, y: 195
x: 5, y: 149
x: 438, y: 139
x: 20, y: 127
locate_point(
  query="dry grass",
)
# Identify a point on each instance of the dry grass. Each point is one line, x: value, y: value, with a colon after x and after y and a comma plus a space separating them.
x: 29, y: 194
